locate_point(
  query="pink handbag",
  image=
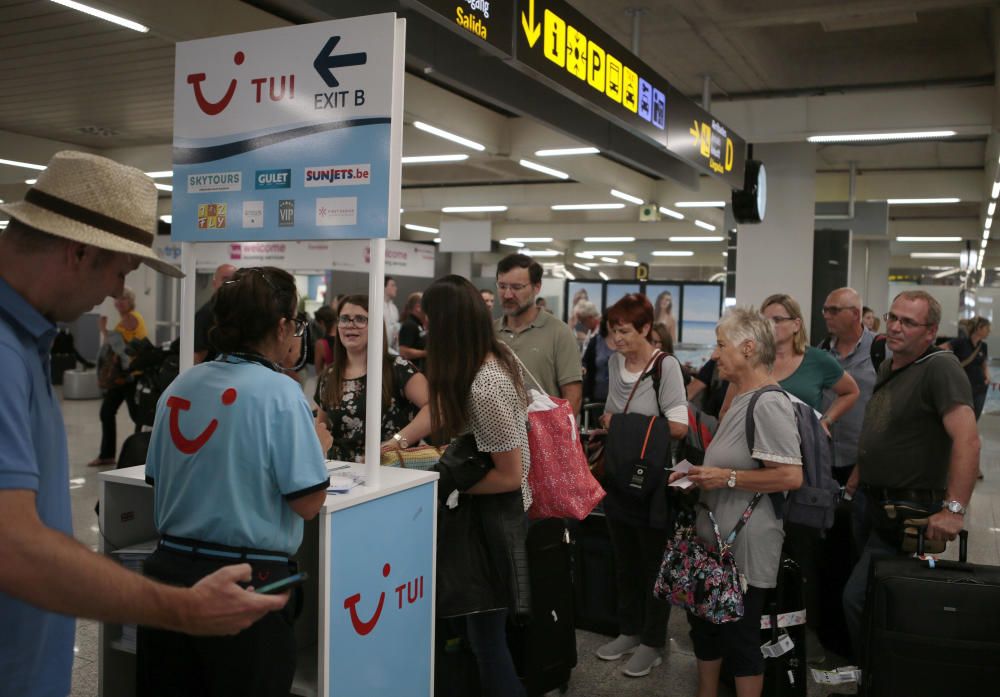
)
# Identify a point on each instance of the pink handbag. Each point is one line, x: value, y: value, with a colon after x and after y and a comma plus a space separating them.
x: 562, y: 485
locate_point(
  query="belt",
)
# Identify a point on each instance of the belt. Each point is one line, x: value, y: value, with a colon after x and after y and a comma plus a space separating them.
x: 882, y: 493
x: 218, y: 551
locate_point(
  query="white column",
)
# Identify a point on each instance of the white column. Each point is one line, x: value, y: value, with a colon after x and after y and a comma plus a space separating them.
x: 776, y: 255
x: 461, y: 264
x: 870, y: 273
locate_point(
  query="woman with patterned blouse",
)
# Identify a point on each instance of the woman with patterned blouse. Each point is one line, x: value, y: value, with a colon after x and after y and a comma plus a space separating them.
x: 341, y: 390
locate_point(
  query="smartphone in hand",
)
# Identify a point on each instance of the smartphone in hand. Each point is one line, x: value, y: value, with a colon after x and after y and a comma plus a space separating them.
x: 284, y: 584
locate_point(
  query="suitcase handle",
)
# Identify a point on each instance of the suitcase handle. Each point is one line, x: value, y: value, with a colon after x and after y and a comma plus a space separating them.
x: 963, y: 543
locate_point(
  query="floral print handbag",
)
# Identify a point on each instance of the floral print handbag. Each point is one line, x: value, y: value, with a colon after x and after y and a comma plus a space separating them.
x: 704, y: 580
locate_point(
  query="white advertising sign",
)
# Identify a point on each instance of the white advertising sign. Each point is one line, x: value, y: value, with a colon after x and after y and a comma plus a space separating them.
x: 401, y: 258
x: 272, y: 128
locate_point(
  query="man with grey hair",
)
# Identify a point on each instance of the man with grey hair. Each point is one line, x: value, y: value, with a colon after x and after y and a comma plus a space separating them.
x: 919, y: 446
x: 850, y: 342
x: 86, y: 223
x: 204, y: 319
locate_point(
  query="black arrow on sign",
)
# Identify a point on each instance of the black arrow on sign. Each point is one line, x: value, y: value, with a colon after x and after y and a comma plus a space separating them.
x: 325, y: 62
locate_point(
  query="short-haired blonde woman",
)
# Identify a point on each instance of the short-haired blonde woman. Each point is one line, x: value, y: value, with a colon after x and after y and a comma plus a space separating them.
x: 731, y: 475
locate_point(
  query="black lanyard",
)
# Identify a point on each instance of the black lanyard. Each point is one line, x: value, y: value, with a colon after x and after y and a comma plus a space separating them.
x: 893, y: 373
x: 252, y: 358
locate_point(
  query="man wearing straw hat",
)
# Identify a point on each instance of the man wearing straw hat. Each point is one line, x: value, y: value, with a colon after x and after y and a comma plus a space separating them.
x: 86, y: 223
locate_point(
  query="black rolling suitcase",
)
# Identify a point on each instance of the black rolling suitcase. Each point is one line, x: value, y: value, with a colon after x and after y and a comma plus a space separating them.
x: 784, y: 612
x: 931, y: 630
x: 544, y: 648
x: 134, y: 450
x: 595, y: 588
x: 836, y: 563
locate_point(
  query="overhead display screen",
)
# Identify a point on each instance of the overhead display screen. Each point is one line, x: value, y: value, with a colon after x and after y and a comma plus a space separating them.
x: 489, y: 21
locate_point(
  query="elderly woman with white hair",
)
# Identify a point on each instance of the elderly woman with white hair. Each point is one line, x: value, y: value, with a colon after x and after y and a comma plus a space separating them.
x: 130, y: 326
x: 728, y: 480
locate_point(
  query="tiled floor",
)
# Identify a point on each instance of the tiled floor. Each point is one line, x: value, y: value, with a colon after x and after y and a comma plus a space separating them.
x: 592, y: 677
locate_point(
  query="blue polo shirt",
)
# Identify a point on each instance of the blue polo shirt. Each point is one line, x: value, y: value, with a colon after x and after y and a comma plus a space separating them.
x: 233, y: 442
x: 36, y: 647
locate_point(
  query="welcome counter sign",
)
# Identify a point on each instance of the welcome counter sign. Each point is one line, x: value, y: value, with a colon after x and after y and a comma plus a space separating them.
x: 290, y: 134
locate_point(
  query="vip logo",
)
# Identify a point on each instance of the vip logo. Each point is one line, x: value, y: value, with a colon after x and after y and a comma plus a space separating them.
x: 273, y: 178
x: 279, y: 87
x: 212, y: 216
x: 286, y: 213
x: 414, y: 592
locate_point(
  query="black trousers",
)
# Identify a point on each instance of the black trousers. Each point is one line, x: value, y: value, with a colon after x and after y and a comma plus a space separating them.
x: 257, y: 662
x: 113, y: 399
x: 638, y: 554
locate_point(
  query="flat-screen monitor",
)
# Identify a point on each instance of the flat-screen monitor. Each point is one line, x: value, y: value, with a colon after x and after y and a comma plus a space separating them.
x: 702, y: 310
x: 666, y: 301
x: 616, y: 291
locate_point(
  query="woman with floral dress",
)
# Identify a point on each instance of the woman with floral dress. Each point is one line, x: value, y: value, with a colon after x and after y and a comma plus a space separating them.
x: 342, y: 396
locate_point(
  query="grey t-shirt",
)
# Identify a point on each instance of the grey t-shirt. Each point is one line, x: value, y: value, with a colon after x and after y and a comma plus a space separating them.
x: 672, y: 400
x: 758, y: 545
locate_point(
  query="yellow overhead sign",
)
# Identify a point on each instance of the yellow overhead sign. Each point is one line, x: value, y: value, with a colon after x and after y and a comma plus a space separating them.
x: 569, y: 47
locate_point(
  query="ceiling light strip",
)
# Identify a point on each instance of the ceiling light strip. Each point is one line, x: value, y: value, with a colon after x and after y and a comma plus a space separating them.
x: 671, y: 212
x: 561, y: 152
x: 627, y: 197
x: 101, y: 14
x: 588, y: 206
x: 474, y: 209
x: 447, y: 135
x: 427, y: 159
x: 870, y: 137
x: 700, y: 204
x: 558, y: 174
x: 609, y: 239
x: 421, y: 228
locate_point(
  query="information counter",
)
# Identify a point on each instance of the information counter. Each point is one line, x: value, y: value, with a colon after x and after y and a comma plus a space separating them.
x: 366, y: 627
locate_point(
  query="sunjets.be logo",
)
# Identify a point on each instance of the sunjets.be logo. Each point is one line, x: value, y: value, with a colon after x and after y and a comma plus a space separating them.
x: 338, y: 175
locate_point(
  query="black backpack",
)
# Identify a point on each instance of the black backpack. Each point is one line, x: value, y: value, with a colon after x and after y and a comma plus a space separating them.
x: 815, y: 502
x: 159, y: 368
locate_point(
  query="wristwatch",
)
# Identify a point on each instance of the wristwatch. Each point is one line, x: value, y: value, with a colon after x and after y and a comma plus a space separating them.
x: 401, y: 439
x: 955, y: 507
x: 731, y: 483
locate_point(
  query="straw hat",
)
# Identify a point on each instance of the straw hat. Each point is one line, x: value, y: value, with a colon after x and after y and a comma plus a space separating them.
x: 91, y: 199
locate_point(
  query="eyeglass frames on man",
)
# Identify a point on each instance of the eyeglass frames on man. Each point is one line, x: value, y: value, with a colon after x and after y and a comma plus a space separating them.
x: 835, y: 309
x: 891, y: 318
x: 516, y: 287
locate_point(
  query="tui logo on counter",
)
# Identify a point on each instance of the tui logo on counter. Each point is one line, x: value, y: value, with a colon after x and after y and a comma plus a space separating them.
x: 414, y: 591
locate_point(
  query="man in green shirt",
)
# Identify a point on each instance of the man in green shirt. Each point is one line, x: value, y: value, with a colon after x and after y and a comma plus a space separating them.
x: 546, y: 345
x: 919, y: 441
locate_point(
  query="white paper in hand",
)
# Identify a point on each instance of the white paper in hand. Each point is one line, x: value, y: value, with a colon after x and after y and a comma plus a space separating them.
x: 683, y: 482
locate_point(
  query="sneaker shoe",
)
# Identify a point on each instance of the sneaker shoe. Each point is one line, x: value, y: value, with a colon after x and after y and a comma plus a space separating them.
x: 643, y: 660
x: 618, y: 647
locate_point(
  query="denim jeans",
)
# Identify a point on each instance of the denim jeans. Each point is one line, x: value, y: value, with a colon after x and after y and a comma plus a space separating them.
x: 857, y: 586
x: 488, y: 639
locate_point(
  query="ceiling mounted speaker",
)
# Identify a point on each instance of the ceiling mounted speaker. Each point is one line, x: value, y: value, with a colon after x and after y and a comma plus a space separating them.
x: 750, y: 202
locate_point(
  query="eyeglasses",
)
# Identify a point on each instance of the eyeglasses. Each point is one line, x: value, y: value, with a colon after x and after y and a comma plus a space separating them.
x: 776, y: 320
x: 356, y: 320
x: 516, y: 287
x: 907, y: 323
x: 833, y: 309
x: 300, y: 326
